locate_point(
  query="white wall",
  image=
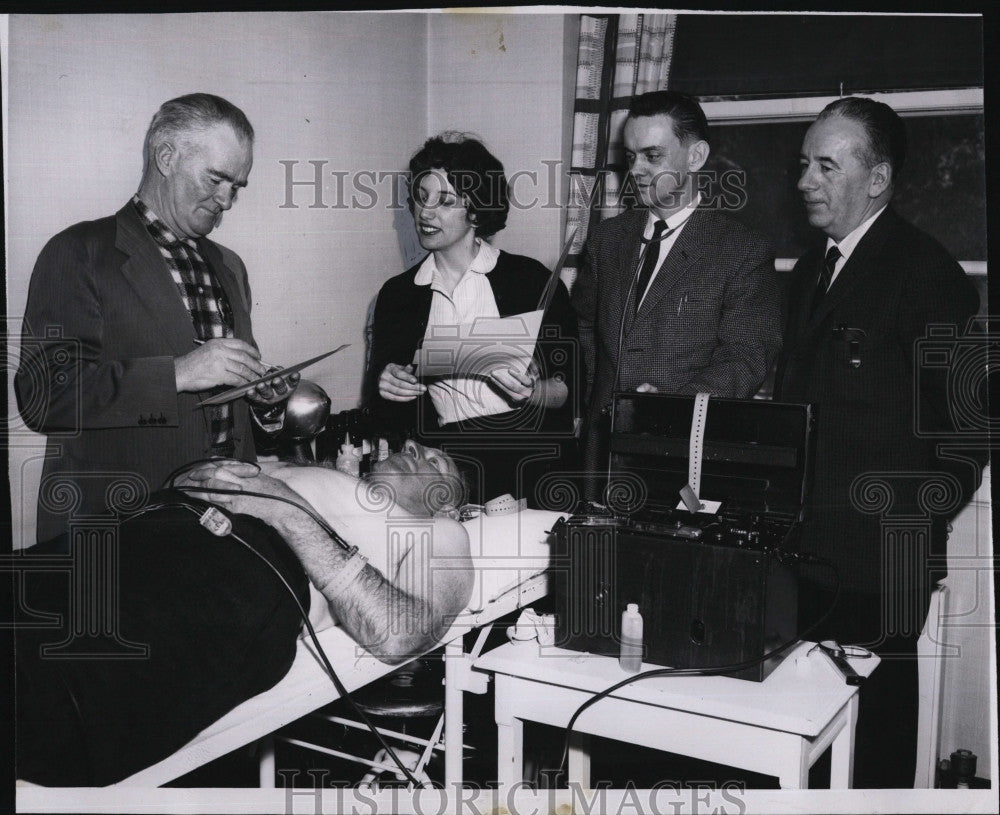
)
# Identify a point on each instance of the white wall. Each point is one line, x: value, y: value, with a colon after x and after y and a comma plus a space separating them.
x: 969, y: 717
x: 357, y: 91
x: 509, y: 78
x: 83, y: 88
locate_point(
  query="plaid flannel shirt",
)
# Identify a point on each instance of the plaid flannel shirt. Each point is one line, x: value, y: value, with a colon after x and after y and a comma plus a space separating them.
x: 205, y: 301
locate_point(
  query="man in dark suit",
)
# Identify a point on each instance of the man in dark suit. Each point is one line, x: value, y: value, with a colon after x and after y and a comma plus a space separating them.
x: 858, y: 306
x: 677, y: 296
x: 131, y: 320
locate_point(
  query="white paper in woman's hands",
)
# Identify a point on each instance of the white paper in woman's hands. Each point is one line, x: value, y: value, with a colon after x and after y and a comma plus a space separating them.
x: 474, y: 350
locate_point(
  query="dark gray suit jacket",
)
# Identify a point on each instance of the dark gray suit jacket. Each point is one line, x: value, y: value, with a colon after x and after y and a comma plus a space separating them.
x: 881, y: 409
x: 711, y: 321
x: 102, y: 327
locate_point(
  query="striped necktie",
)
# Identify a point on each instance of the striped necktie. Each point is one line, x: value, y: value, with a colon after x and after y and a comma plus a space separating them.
x: 825, y: 276
x: 649, y: 261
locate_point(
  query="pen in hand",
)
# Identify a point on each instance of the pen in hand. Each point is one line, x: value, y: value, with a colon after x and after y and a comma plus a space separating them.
x: 269, y: 367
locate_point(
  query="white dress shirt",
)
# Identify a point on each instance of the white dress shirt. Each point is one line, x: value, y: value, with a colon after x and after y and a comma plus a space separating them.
x: 675, y: 222
x: 850, y: 243
x: 458, y: 398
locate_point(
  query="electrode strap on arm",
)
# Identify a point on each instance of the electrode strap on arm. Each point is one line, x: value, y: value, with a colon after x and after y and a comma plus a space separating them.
x: 696, y: 443
x: 345, y: 575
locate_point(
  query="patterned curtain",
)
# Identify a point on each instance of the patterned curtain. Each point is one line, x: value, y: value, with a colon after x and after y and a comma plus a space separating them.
x: 619, y: 56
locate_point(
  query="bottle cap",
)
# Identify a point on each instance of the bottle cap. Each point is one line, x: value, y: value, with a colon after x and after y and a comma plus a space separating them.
x: 632, y: 608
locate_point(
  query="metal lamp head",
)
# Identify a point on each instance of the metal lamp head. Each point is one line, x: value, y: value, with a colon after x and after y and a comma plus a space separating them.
x: 306, y: 412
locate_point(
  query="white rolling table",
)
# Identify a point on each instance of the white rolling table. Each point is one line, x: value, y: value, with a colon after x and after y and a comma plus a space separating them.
x: 777, y: 727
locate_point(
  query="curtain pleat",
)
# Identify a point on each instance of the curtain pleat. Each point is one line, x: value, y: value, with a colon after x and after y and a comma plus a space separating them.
x: 618, y: 56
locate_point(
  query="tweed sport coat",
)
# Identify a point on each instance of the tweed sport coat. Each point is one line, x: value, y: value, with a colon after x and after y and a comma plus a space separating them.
x: 710, y: 322
x: 102, y: 326
x: 880, y: 412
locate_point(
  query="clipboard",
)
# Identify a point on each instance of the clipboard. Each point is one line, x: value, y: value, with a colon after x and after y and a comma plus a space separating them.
x: 243, y: 390
x: 553, y: 281
x: 473, y: 350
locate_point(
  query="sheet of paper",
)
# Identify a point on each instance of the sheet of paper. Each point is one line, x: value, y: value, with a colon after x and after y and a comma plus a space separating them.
x: 478, y: 348
x: 709, y: 507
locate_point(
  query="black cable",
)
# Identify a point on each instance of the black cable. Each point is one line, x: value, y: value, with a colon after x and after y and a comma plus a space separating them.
x: 711, y: 670
x: 329, y: 530
x: 328, y: 667
x: 83, y: 747
x: 344, y: 693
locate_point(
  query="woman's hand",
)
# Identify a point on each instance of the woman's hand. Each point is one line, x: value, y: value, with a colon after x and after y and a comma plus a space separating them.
x: 515, y: 385
x: 530, y: 388
x: 398, y: 384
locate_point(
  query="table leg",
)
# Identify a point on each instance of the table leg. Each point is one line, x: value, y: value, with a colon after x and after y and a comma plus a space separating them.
x: 510, y: 737
x: 842, y: 750
x: 578, y: 764
x: 266, y: 764
x: 453, y: 714
x: 798, y: 778
x: 510, y: 753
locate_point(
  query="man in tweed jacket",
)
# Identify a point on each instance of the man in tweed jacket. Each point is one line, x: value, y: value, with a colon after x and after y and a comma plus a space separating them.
x: 706, y: 317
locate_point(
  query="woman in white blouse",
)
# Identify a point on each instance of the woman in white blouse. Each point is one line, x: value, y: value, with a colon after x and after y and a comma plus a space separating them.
x: 511, y: 424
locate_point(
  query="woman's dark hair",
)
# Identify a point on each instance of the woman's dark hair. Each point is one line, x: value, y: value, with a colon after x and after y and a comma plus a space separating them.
x: 475, y: 173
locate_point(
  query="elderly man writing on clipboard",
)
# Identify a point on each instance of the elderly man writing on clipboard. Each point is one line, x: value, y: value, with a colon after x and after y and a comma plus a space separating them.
x: 132, y: 319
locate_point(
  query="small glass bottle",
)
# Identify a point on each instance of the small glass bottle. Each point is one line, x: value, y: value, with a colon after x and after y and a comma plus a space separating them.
x: 630, y: 658
x: 349, y: 458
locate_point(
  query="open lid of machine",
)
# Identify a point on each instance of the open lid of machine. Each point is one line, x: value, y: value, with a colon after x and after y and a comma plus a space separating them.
x: 756, y: 455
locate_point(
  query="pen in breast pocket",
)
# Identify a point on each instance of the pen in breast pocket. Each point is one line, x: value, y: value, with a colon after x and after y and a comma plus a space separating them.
x: 274, y: 367
x: 681, y: 303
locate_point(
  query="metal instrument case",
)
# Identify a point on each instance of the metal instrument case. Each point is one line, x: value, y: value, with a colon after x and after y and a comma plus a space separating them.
x: 713, y: 590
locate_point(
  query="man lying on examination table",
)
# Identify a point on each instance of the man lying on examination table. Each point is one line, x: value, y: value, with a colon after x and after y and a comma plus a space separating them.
x: 219, y: 625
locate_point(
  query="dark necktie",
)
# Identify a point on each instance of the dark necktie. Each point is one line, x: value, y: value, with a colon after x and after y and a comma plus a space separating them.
x: 649, y: 261
x: 825, y: 276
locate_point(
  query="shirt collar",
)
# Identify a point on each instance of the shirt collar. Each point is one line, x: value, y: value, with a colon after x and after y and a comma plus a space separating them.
x: 484, y: 262
x: 675, y: 220
x: 851, y: 240
x: 160, y: 232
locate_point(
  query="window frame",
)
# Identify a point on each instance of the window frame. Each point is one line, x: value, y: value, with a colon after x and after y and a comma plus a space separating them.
x: 908, y: 104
